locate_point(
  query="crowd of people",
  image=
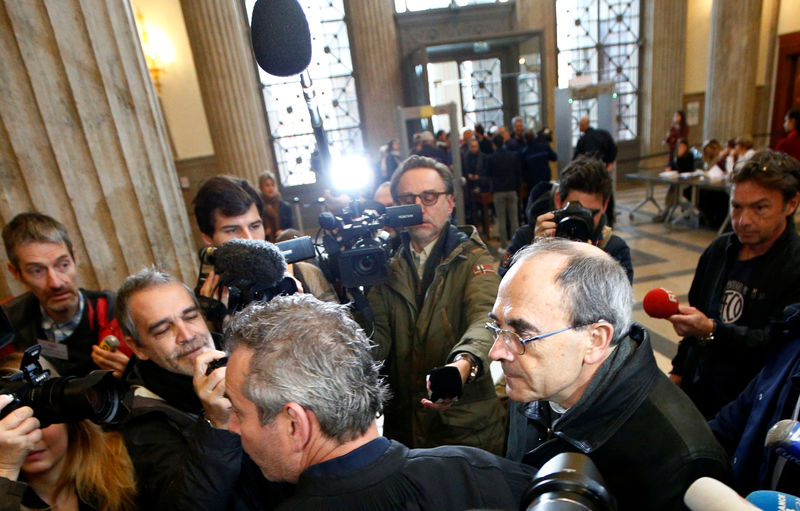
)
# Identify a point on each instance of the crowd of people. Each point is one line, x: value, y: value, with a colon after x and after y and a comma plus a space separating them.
x: 274, y: 406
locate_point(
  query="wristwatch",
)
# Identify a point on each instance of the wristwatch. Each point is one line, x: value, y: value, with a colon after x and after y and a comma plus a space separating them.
x: 709, y: 336
x: 473, y: 364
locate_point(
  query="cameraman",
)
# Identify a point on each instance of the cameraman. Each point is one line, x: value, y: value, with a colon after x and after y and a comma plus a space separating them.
x: 61, y: 466
x: 587, y: 181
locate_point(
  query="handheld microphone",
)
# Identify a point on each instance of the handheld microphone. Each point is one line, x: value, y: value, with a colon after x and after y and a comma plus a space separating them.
x: 109, y: 343
x: 768, y: 500
x: 280, y: 36
x: 784, y: 438
x: 660, y: 303
x: 707, y: 494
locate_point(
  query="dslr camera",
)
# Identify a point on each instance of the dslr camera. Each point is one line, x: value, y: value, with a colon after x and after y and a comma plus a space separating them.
x: 569, y: 481
x: 356, y: 254
x: 64, y: 399
x: 574, y: 222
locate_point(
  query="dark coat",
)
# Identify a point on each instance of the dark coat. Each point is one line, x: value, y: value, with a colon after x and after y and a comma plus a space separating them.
x: 535, y: 162
x: 742, y: 425
x: 597, y: 143
x: 714, y: 373
x: 645, y: 436
x: 504, y: 171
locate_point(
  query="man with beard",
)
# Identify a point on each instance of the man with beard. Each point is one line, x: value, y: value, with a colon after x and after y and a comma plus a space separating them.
x: 430, y: 313
x: 176, y: 432
x: 71, y: 324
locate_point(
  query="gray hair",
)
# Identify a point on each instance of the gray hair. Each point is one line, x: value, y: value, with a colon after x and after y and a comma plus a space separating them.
x: 421, y: 162
x: 311, y: 353
x: 144, y: 279
x: 594, y: 286
x: 33, y: 227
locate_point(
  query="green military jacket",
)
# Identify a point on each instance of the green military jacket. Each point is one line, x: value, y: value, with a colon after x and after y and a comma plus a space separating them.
x: 414, y: 340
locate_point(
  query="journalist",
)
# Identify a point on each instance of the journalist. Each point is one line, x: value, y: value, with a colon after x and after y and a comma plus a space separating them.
x: 305, y: 408
x: 583, y: 378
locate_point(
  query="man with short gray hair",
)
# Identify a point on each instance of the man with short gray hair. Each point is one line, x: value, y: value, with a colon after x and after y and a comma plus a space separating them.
x: 584, y: 378
x: 305, y: 391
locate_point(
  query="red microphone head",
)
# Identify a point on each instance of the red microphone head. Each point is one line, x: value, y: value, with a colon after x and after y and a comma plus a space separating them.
x: 660, y: 303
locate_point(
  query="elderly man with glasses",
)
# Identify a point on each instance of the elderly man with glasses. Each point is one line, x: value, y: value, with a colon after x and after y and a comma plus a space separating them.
x: 583, y: 378
x: 428, y: 318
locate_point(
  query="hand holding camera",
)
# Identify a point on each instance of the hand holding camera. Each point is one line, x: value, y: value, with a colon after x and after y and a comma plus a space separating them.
x: 209, y: 385
x: 19, y: 433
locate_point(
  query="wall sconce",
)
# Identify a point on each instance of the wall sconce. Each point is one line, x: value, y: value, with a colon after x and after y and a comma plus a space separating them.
x: 157, y: 48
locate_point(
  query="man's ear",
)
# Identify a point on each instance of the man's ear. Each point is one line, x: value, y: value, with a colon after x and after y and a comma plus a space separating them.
x: 601, y: 334
x: 557, y: 200
x: 299, y: 425
x: 207, y: 239
x: 14, y: 271
x: 791, y: 205
x: 135, y: 348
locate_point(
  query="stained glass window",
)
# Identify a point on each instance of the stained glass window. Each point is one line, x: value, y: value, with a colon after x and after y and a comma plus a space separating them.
x: 422, y: 5
x: 599, y: 39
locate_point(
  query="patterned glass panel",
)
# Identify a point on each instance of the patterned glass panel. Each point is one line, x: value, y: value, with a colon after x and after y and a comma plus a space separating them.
x: 529, y: 84
x: 599, y: 39
x: 481, y: 92
x: 423, y: 5
x: 331, y: 71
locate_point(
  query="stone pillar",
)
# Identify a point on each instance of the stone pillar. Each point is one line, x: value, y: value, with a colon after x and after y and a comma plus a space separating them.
x: 376, y: 60
x: 541, y: 15
x: 663, y: 63
x: 732, y: 64
x: 220, y: 39
x: 82, y: 139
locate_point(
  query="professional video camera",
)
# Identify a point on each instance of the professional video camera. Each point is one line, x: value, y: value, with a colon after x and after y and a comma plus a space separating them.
x: 65, y: 399
x: 253, y: 270
x: 574, y: 222
x: 568, y: 482
x: 356, y: 254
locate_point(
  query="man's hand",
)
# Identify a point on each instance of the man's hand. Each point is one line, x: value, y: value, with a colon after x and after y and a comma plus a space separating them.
x: 689, y: 321
x: 114, y: 360
x: 444, y: 404
x: 545, y: 225
x: 212, y: 289
x: 19, y: 433
x: 211, y: 389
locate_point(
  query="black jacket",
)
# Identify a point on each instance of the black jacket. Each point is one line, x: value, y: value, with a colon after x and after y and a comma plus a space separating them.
x: 645, y: 436
x: 25, y: 315
x: 742, y: 425
x: 504, y: 171
x: 714, y: 373
x: 449, y: 477
x: 181, y: 462
x: 597, y: 143
x: 536, y: 158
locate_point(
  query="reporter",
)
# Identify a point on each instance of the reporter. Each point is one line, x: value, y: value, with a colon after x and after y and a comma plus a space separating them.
x: 64, y: 467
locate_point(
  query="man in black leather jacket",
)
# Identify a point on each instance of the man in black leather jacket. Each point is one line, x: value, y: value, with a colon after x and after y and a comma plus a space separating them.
x: 585, y: 379
x: 184, y: 456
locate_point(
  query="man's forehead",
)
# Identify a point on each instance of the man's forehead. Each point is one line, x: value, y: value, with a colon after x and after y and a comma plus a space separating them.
x: 221, y: 220
x: 420, y: 177
x: 158, y: 302
x: 33, y: 250
x: 751, y: 191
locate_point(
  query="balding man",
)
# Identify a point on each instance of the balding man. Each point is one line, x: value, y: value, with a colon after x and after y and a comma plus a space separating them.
x: 595, y: 142
x: 584, y: 378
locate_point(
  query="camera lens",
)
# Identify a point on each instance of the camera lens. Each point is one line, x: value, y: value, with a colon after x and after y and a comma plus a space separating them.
x: 95, y: 397
x: 365, y: 265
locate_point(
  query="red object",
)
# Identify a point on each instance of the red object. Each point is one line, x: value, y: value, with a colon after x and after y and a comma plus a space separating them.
x: 660, y: 303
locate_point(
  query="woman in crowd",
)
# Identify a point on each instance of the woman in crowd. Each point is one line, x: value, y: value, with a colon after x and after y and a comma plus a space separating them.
x: 62, y: 467
x: 390, y: 159
x: 678, y: 130
x: 277, y: 212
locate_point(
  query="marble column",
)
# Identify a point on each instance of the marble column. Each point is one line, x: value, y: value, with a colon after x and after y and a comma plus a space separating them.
x: 732, y: 63
x: 82, y: 139
x: 663, y: 63
x: 376, y: 60
x: 219, y: 35
x: 541, y: 15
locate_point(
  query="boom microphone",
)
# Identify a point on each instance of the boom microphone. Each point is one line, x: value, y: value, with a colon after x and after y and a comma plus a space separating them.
x: 660, y: 303
x: 708, y: 494
x: 281, y: 38
x: 784, y: 438
x: 253, y: 261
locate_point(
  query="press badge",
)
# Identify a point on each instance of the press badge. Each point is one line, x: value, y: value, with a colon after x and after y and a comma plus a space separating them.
x: 54, y: 350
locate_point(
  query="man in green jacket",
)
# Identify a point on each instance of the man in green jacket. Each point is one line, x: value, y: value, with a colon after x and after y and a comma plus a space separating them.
x: 431, y: 313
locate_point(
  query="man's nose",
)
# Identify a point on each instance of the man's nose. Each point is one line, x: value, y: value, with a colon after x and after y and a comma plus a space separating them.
x: 182, y: 332
x: 499, y: 350
x: 248, y: 234
x: 54, y: 280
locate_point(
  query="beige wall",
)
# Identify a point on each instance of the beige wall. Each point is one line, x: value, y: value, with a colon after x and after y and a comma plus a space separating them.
x: 789, y: 19
x: 180, y: 93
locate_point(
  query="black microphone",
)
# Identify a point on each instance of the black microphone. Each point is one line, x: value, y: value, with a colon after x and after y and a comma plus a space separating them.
x: 254, y: 261
x: 280, y: 36
x: 784, y: 438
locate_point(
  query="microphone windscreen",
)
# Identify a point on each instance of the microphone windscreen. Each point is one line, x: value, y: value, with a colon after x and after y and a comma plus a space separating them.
x: 660, y: 303
x: 281, y: 38
x: 707, y: 494
x: 254, y: 261
x: 773, y: 500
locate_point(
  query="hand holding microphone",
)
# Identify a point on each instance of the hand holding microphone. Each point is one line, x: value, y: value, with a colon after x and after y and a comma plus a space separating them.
x: 660, y: 303
x: 687, y: 321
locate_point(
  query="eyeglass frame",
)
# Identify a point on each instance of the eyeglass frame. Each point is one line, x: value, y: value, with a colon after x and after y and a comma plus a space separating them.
x: 413, y: 197
x: 496, y: 331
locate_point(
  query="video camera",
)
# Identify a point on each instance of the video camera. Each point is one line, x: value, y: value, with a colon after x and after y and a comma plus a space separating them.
x: 64, y: 399
x: 574, y: 222
x: 356, y: 254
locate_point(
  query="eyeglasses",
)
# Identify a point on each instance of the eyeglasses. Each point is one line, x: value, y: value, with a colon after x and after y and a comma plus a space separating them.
x: 428, y: 197
x: 516, y: 343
